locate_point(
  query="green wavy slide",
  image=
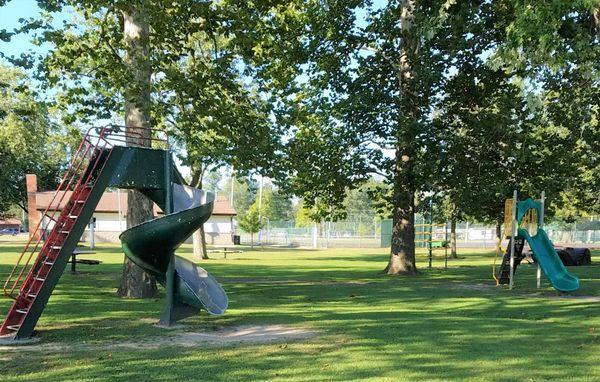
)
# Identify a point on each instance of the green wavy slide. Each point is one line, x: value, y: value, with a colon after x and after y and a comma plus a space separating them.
x: 546, y: 256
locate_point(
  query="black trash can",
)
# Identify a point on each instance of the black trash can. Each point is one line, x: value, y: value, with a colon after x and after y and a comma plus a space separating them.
x: 236, y: 240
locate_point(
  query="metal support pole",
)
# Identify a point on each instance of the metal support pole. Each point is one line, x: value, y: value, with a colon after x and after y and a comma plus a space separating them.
x: 513, y: 234
x: 167, y: 316
x: 231, y: 190
x: 92, y: 233
x: 430, y: 231
x: 540, y: 226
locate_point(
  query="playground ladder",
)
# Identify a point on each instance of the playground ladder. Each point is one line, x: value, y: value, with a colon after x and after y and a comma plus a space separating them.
x: 36, y: 281
x: 505, y: 266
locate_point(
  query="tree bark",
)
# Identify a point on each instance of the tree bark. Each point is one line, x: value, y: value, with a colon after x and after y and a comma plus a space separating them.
x: 135, y: 282
x: 402, y: 255
x: 199, y: 244
x: 453, y: 252
x: 199, y: 236
x: 499, y: 234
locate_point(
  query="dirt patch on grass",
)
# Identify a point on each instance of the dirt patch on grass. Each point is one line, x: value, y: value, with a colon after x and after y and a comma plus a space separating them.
x: 242, y: 334
x: 565, y: 297
x: 289, y: 281
x: 248, y: 334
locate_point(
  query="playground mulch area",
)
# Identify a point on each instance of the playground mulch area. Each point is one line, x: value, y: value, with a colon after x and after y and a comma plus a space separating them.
x: 317, y: 315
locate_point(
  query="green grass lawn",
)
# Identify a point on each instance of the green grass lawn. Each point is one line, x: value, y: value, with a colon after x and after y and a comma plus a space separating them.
x: 444, y: 325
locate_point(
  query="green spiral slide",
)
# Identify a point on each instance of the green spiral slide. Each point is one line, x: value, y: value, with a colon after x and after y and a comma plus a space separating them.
x: 150, y: 245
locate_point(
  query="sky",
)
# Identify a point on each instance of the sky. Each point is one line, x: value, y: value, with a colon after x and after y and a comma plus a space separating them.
x: 10, y: 14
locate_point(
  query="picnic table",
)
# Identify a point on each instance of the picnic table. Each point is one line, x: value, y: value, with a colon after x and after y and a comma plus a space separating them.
x: 82, y: 251
x: 225, y: 250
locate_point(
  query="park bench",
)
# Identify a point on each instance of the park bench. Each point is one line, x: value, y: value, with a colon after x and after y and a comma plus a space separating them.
x: 225, y: 250
x: 80, y: 251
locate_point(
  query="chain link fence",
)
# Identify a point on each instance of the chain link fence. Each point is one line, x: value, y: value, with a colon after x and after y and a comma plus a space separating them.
x: 375, y: 233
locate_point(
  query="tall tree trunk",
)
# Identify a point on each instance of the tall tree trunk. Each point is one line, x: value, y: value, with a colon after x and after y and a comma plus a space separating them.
x: 135, y: 282
x: 499, y: 234
x: 199, y: 236
x: 402, y: 254
x: 199, y: 244
x: 453, y: 252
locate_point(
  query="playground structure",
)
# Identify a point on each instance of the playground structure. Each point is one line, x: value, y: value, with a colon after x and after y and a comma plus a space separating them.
x: 424, y: 235
x: 526, y: 220
x: 102, y: 161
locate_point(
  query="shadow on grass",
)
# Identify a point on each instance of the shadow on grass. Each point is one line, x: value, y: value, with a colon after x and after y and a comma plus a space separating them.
x: 421, y: 328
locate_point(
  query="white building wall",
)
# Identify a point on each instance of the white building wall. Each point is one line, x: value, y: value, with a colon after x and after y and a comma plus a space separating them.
x: 218, y: 228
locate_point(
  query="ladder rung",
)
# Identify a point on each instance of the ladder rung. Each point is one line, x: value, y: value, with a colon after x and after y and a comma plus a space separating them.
x: 40, y: 279
x: 65, y: 232
x: 56, y: 247
x: 13, y: 327
x: 73, y: 216
x: 32, y: 295
x: 22, y: 311
x: 80, y: 201
x: 51, y: 263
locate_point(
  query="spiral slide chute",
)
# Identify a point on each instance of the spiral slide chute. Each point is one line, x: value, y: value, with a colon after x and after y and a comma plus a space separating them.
x: 150, y: 245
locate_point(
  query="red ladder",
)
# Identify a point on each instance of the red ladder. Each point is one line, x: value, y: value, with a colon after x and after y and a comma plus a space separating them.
x: 85, y: 165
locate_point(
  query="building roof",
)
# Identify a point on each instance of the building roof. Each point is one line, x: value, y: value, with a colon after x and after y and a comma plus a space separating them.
x: 10, y: 222
x: 109, y: 202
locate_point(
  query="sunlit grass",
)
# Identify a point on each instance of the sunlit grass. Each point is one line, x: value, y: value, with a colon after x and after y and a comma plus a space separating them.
x: 446, y: 324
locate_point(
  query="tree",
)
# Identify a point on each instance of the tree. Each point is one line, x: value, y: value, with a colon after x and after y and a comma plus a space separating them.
x: 303, y: 217
x: 135, y: 282
x: 250, y: 222
x: 129, y: 51
x: 244, y: 192
x: 29, y: 141
x: 370, y: 90
x: 275, y: 205
x: 199, y: 236
x: 557, y: 46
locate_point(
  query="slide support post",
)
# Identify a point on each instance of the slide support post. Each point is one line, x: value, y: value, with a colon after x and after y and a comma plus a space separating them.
x: 167, y: 318
x: 513, y: 234
x: 541, y: 225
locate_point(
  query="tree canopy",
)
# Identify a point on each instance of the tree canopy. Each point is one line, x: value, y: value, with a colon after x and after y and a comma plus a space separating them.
x: 29, y: 141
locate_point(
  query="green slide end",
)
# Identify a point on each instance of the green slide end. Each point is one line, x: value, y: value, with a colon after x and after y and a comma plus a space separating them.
x: 549, y: 261
x: 151, y: 244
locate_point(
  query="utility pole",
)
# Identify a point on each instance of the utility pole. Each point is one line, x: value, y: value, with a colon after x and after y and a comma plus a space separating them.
x: 231, y: 190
